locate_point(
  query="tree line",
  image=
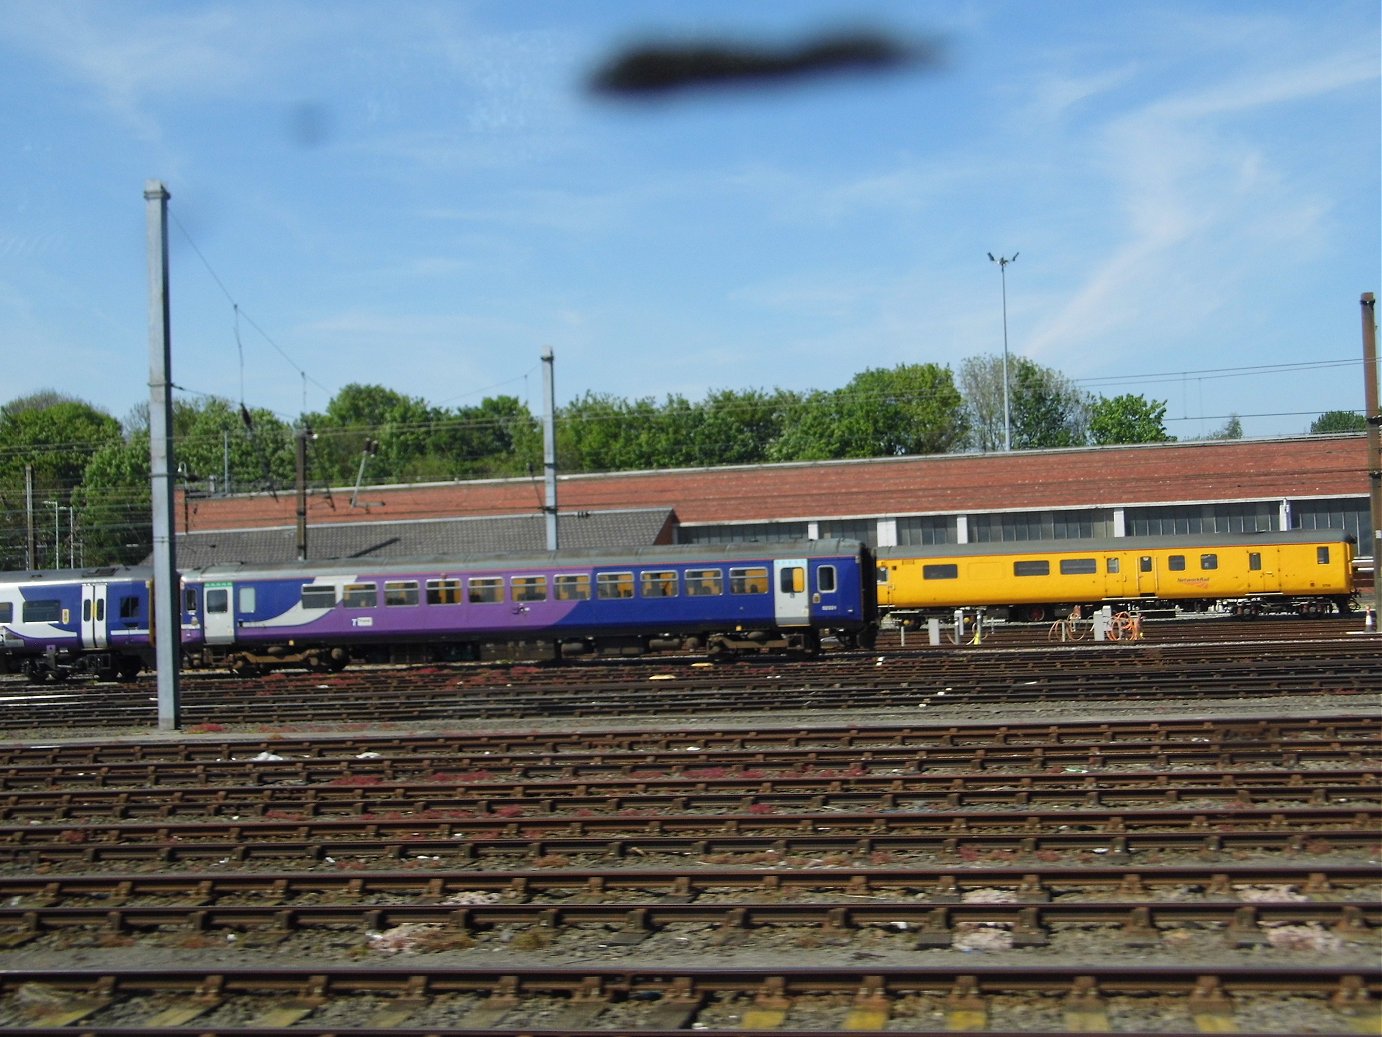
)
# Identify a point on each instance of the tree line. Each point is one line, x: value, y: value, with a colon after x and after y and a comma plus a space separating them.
x: 90, y: 473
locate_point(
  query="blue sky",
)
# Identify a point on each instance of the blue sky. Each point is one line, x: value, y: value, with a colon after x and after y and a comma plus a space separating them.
x: 424, y: 195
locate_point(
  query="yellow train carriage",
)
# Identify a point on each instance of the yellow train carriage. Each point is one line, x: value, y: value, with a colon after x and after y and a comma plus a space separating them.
x: 1308, y: 571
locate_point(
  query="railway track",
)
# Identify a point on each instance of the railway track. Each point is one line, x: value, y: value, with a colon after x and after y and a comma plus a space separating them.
x: 1152, y: 874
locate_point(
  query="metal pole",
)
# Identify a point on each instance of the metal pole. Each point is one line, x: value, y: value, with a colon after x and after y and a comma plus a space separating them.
x: 302, y: 437
x: 1373, y: 414
x: 1003, y: 262
x: 167, y: 589
x: 57, y: 553
x: 549, y: 448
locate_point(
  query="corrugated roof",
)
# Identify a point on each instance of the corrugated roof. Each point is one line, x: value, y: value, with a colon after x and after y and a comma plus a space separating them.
x: 405, y: 539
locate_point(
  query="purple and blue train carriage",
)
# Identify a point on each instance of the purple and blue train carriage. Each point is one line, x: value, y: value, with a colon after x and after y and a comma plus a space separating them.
x: 709, y: 599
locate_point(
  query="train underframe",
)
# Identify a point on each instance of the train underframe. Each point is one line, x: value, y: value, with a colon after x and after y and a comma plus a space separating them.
x: 1310, y: 607
x: 57, y: 665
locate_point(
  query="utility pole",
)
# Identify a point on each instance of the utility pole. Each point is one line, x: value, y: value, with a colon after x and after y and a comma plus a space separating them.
x: 549, y: 448
x: 304, y: 434
x: 167, y: 590
x: 1003, y: 262
x: 1373, y: 413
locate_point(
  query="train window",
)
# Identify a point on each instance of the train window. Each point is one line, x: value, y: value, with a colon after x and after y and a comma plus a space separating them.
x: 705, y: 582
x: 614, y: 585
x: 129, y: 608
x: 1078, y: 566
x: 792, y: 579
x: 217, y: 600
x: 100, y: 611
x: 43, y: 610
x: 1176, y: 563
x: 86, y: 610
x: 571, y: 586
x: 941, y: 571
x: 530, y: 588
x: 1111, y: 565
x: 659, y: 583
x: 6, y: 612
x: 1255, y: 561
x: 400, y: 592
x: 825, y: 579
x: 443, y: 592
x: 1144, y: 563
x: 751, y: 579
x: 486, y: 590
x: 1036, y: 567
x: 1209, y: 561
x: 189, y: 599
x: 882, y: 574
x: 1322, y: 555
x: 360, y: 596
x: 246, y: 600
x: 320, y: 596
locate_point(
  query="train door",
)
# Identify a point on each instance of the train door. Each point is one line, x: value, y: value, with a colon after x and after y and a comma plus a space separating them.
x: 1146, y: 576
x: 218, y: 613
x: 791, y: 600
x: 1261, y: 575
x: 94, y: 615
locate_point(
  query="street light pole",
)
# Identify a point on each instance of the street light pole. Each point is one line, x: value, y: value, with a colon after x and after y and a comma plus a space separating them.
x: 1003, y: 262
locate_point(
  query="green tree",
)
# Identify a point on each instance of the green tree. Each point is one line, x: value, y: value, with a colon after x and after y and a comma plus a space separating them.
x: 1231, y: 429
x: 1338, y: 421
x: 1127, y: 419
x: 911, y: 409
x: 1048, y: 409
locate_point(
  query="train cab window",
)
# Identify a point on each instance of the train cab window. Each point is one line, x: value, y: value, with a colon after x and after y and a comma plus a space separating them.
x: 705, y: 582
x: 1322, y: 555
x: 941, y: 571
x: 129, y: 607
x: 247, y: 598
x: 318, y: 596
x: 360, y: 596
x: 1255, y: 561
x: 792, y: 579
x: 659, y: 583
x: 43, y: 610
x: 529, y: 588
x: 571, y: 586
x: 217, y: 600
x: 444, y: 592
x: 486, y: 590
x: 614, y: 585
x: 189, y: 599
x: 1176, y: 563
x: 400, y: 592
x: 1111, y: 565
x: 752, y: 579
x: 6, y: 612
x: 825, y: 579
x: 883, y: 574
x: 1209, y: 561
x: 1036, y: 567
x: 1079, y: 566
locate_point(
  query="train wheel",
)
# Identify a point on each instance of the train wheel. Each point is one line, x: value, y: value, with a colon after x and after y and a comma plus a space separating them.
x: 1035, y: 613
